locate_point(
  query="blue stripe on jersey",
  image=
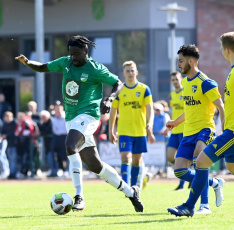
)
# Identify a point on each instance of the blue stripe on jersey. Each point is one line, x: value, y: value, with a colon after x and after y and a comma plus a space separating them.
x: 190, y: 79
x: 233, y: 66
x: 147, y: 92
x: 117, y: 98
x: 131, y: 87
x: 208, y: 85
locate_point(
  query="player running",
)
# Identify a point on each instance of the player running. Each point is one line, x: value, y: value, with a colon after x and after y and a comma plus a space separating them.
x: 82, y: 94
x: 222, y: 146
x: 135, y: 121
x: 201, y: 96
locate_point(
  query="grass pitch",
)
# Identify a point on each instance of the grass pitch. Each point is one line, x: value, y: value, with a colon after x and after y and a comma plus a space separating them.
x: 26, y: 205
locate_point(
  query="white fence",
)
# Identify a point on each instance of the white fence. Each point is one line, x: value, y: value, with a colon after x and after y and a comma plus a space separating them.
x: 156, y: 154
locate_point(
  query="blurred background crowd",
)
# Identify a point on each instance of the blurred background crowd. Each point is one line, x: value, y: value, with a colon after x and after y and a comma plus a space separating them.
x: 33, y: 142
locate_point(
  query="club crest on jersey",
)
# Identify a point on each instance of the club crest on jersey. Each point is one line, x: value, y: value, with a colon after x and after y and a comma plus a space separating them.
x: 138, y: 94
x: 84, y: 77
x: 72, y: 88
x: 194, y: 88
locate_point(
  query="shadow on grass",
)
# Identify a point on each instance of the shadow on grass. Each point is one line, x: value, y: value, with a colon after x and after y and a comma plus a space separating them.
x: 134, y: 222
x: 124, y: 215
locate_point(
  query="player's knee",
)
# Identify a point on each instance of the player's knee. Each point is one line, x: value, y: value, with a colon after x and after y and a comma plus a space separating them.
x: 170, y: 158
x: 230, y: 167
x: 96, y: 168
x: 70, y: 148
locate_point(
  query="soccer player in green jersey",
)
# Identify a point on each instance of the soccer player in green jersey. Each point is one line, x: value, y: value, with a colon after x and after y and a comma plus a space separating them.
x: 82, y: 94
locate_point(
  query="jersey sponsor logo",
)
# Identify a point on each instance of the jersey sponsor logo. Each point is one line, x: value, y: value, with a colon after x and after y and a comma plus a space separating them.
x: 215, y: 146
x: 226, y: 91
x: 138, y: 94
x: 72, y: 88
x: 82, y: 123
x: 67, y: 69
x: 134, y: 104
x: 177, y: 106
x: 194, y: 88
x: 84, y: 77
x: 190, y: 101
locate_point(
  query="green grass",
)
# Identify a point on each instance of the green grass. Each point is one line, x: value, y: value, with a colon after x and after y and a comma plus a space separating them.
x: 26, y: 205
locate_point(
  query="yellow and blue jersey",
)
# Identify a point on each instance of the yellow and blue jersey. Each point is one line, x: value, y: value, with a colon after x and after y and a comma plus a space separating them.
x: 132, y: 111
x: 229, y: 101
x: 198, y: 94
x: 177, y: 104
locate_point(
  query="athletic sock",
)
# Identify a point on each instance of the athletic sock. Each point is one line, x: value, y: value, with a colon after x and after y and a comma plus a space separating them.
x: 125, y: 172
x: 205, y: 191
x: 75, y: 169
x: 181, y: 184
x: 185, y: 174
x: 110, y: 175
x: 198, y: 184
x: 134, y: 174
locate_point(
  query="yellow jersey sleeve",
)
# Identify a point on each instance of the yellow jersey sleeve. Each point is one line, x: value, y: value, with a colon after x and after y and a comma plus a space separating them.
x: 229, y: 101
x: 115, y: 103
x: 198, y: 95
x: 131, y: 103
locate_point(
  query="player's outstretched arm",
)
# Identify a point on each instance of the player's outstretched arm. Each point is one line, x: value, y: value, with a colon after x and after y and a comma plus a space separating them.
x: 150, y: 121
x: 36, y: 66
x: 173, y: 123
x: 219, y: 104
x: 106, y: 105
x: 112, y: 119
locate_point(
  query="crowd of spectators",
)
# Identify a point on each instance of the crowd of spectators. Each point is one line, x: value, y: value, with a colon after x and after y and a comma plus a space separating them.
x: 29, y: 134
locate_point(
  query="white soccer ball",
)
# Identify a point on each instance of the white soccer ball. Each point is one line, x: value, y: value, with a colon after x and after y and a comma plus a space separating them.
x: 61, y: 203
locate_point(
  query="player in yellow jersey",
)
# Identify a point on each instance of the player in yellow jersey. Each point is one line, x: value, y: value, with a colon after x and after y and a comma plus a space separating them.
x: 177, y: 105
x: 222, y: 146
x: 135, y: 121
x: 201, y: 96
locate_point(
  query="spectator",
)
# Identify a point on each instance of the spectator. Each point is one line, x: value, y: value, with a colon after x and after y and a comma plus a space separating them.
x: 34, y: 146
x: 4, y: 106
x: 45, y: 127
x: 59, y: 137
x: 23, y: 131
x: 104, y: 129
x: 8, y: 133
x: 160, y: 120
x: 32, y: 107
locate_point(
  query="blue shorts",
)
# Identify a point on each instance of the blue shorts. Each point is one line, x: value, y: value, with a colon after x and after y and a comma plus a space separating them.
x: 188, y: 143
x: 174, y: 140
x: 222, y: 146
x: 133, y: 144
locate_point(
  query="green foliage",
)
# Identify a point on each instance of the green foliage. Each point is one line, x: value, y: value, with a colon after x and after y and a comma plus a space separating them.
x: 25, y: 97
x: 131, y: 46
x: 26, y: 205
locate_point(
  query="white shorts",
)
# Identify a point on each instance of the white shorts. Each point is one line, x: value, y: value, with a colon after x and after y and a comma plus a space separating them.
x: 85, y: 124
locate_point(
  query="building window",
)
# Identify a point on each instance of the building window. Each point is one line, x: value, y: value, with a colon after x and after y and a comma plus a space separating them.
x: 9, y: 50
x: 132, y: 46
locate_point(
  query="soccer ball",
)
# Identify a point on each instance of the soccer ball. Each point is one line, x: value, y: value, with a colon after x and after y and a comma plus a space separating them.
x: 61, y: 203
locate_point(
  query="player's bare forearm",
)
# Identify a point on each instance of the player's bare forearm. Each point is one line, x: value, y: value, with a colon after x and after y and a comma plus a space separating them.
x: 173, y: 123
x: 149, y: 115
x: 112, y: 119
x: 34, y: 65
x: 220, y: 106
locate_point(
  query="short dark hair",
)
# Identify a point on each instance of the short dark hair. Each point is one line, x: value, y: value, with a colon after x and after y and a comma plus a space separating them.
x: 189, y: 51
x: 174, y: 73
x: 79, y: 41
